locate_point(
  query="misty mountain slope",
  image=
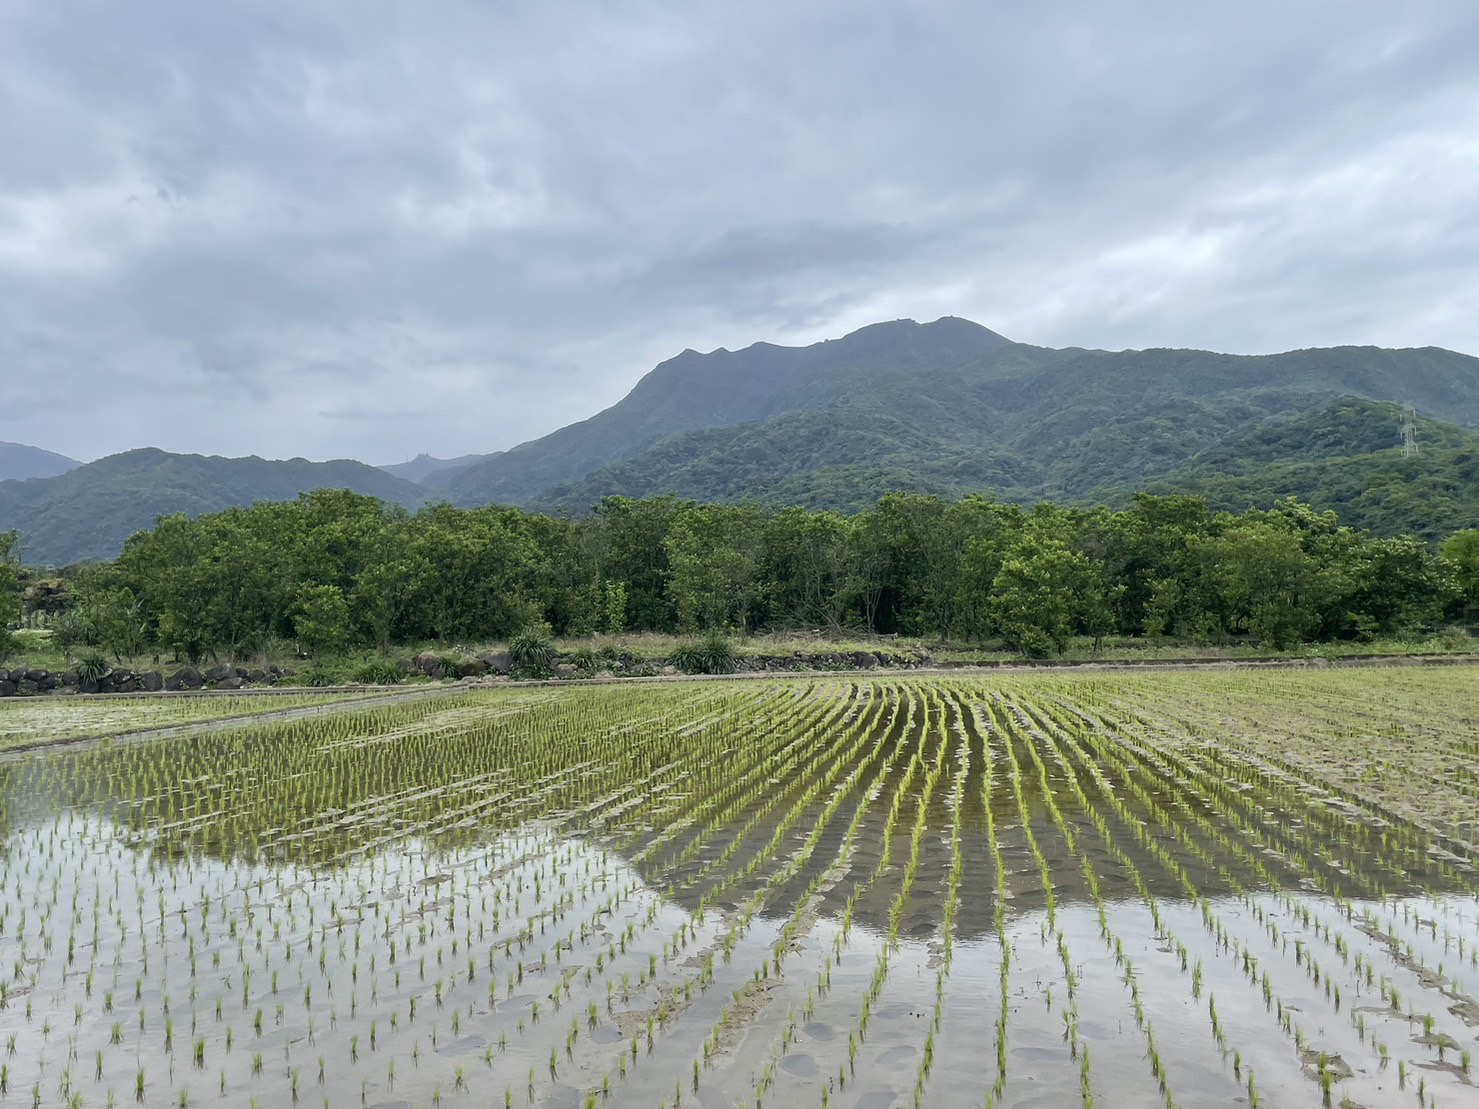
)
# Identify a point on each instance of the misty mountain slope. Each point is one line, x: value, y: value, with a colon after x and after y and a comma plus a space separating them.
x: 695, y: 391
x: 89, y: 512
x: 1017, y: 422
x: 19, y: 462
x: 945, y: 407
x: 431, y: 472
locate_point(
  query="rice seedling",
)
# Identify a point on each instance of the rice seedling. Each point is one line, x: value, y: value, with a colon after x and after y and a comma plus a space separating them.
x: 769, y: 860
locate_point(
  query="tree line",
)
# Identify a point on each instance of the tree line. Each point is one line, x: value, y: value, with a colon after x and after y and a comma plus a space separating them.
x: 334, y: 570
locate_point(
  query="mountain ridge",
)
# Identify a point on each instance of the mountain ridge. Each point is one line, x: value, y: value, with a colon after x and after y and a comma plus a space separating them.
x: 947, y: 407
x: 89, y: 511
x: 20, y: 461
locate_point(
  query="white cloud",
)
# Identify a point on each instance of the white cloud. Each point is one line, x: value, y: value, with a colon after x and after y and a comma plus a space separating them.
x: 369, y: 230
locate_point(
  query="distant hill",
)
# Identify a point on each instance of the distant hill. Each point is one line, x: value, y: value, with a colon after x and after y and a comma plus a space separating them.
x: 18, y: 462
x: 947, y: 408
x: 426, y: 470
x: 693, y: 392
x: 1344, y: 456
x: 88, y: 512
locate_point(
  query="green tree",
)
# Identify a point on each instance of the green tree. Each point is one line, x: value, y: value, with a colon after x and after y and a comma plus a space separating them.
x: 714, y: 555
x: 614, y: 610
x: 1042, y: 592
x: 10, y: 593
x: 322, y: 621
x: 1274, y: 588
x: 1461, y: 552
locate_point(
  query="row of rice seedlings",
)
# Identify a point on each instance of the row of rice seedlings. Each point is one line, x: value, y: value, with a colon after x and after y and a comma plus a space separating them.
x: 685, y: 930
x: 1322, y: 878
x: 1324, y: 1073
x: 947, y: 922
x: 161, y: 916
x: 796, y: 768
x: 889, y: 741
x: 1010, y: 718
x: 764, y: 976
x: 1405, y: 740
x: 1136, y: 826
x: 26, y: 721
x: 1046, y: 738
x: 927, y: 765
x: 897, y: 736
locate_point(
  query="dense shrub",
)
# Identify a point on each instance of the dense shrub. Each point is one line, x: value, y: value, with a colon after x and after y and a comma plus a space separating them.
x: 378, y: 673
x: 92, y: 666
x: 531, y: 651
x: 713, y: 654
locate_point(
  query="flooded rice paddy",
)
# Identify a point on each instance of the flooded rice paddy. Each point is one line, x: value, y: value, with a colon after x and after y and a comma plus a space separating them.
x: 1194, y: 890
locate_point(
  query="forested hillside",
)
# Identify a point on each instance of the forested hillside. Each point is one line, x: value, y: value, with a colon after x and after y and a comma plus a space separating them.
x: 88, y: 512
x: 947, y: 408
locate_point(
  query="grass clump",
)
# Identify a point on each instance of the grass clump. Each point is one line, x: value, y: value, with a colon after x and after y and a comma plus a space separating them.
x: 378, y: 673
x: 532, y: 652
x: 713, y: 654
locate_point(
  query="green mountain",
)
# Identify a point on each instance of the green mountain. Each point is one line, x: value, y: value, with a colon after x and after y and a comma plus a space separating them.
x: 946, y: 408
x: 18, y: 462
x: 1344, y: 456
x: 429, y: 471
x: 88, y: 512
x: 694, y: 392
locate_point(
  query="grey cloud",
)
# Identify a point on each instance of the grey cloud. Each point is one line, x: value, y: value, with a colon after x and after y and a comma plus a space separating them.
x: 250, y: 229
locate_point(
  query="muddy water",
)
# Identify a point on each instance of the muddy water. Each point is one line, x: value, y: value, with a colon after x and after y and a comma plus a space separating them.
x: 468, y: 939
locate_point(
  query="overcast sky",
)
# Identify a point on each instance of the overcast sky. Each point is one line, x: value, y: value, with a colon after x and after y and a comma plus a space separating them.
x: 368, y: 229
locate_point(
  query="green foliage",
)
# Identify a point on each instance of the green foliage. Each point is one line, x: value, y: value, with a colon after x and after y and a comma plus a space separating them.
x: 585, y: 660
x: 10, y: 599
x: 322, y: 620
x: 531, y: 650
x: 378, y: 672
x: 318, y: 677
x: 336, y: 572
x: 713, y: 654
x: 614, y: 610
x: 1461, y: 552
x: 91, y: 666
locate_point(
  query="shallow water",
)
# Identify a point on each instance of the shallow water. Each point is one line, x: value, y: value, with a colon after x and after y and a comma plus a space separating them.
x: 432, y: 914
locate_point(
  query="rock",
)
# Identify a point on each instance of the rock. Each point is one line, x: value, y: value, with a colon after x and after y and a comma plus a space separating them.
x: 233, y: 682
x: 862, y: 660
x: 428, y: 664
x: 35, y: 676
x: 4, y: 674
x: 188, y: 678
x: 7, y: 688
x: 566, y: 671
x: 153, y: 681
x: 25, y: 685
x: 48, y: 682
x: 500, y: 661
x: 254, y: 675
x: 471, y: 668
x: 121, y: 676
x: 220, y: 673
